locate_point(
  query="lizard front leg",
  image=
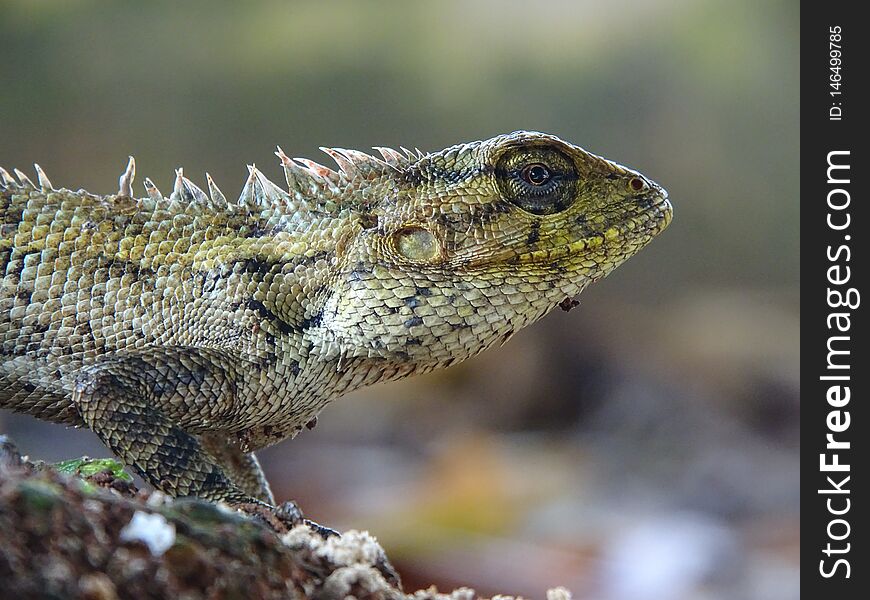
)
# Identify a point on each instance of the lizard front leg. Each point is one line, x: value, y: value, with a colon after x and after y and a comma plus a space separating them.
x: 242, y: 467
x: 149, y: 408
x: 152, y: 409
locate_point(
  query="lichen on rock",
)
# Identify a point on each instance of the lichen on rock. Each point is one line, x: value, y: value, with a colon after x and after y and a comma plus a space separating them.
x: 107, y: 540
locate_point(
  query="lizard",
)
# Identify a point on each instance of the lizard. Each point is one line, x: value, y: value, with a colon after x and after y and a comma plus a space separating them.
x: 189, y: 331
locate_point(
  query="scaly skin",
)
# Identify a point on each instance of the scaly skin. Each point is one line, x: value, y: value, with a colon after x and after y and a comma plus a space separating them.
x: 190, y: 331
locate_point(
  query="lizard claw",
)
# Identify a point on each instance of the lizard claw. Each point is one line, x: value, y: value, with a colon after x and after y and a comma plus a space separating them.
x: 322, y: 531
x: 290, y: 513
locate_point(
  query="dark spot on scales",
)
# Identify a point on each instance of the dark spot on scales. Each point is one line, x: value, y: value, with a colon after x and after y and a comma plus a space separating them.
x: 267, y: 314
x: 258, y: 231
x: 313, y: 321
x: 253, y: 265
x: 264, y: 362
x: 368, y: 221
x: 212, y: 480
x: 560, y: 269
x: 534, y: 233
x: 359, y: 271
x: 413, y: 321
x: 39, y: 328
x: 16, y: 267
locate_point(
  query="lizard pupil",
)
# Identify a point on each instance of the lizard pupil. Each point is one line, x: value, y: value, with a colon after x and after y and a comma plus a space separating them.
x: 536, y: 174
x: 540, y: 180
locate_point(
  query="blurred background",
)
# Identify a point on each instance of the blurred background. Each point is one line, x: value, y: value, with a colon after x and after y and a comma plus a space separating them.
x: 644, y: 446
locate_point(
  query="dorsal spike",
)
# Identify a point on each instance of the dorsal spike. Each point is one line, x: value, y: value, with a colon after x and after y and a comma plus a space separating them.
x: 409, y: 155
x: 289, y: 171
x: 266, y: 192
x: 420, y: 153
x: 152, y: 190
x: 275, y: 195
x: 359, y: 158
x: 178, y: 186
x: 345, y: 166
x: 299, y: 179
x: 217, y: 196
x: 317, y: 169
x: 125, y: 182
x: 365, y: 164
x: 185, y: 190
x: 193, y: 192
x: 391, y: 157
x: 42, y: 178
x: 249, y: 192
x: 23, y: 179
x: 5, y: 178
x: 199, y: 194
x: 177, y: 200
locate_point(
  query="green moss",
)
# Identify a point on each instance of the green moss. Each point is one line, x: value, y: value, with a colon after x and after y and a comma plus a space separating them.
x: 86, y: 467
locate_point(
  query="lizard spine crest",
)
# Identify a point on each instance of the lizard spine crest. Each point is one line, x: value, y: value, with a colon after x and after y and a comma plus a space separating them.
x: 308, y: 182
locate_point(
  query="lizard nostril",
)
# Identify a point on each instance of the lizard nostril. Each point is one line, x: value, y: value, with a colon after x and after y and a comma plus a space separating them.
x: 637, y: 184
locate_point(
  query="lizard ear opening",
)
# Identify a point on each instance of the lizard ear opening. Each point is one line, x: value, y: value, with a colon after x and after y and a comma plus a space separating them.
x: 416, y: 244
x: 541, y: 180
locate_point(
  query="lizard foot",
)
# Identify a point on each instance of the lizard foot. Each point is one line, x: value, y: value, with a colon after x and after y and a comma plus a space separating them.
x: 290, y: 512
x: 284, y: 517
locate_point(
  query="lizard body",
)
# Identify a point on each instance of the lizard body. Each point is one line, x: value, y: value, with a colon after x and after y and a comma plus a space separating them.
x: 189, y: 331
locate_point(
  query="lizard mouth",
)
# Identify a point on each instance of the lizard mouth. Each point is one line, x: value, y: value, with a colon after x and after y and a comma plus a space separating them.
x: 615, y: 241
x: 592, y: 248
x: 657, y: 214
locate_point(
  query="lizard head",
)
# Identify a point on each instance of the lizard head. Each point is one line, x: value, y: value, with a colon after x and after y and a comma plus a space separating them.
x: 476, y: 241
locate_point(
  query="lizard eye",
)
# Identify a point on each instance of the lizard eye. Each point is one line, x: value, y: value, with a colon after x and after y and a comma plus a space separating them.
x: 541, y: 180
x: 536, y: 174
